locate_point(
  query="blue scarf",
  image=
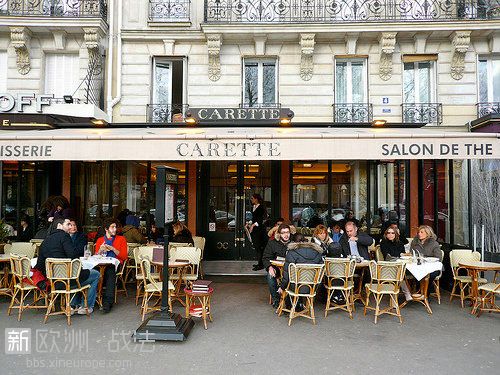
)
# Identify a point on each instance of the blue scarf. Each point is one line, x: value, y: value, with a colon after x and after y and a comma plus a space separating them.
x: 109, y: 241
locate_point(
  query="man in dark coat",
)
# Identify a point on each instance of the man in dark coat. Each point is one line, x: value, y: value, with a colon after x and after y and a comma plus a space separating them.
x: 354, y: 242
x: 275, y: 248
x: 257, y: 229
x: 58, y: 244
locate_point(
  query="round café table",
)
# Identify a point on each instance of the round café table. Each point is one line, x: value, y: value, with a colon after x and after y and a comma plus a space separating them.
x: 475, y: 267
x: 358, y: 292
x: 178, y: 265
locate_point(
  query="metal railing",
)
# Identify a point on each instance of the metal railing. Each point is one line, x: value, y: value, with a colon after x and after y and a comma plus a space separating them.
x: 428, y: 113
x: 169, y: 10
x: 54, y: 8
x: 334, y: 11
x: 487, y: 108
x: 352, y: 112
x: 165, y: 112
x: 261, y: 105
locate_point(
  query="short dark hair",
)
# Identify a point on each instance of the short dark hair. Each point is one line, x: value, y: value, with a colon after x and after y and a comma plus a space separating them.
x: 299, y: 237
x: 280, y: 219
x: 59, y: 220
x: 108, y: 222
x: 283, y: 226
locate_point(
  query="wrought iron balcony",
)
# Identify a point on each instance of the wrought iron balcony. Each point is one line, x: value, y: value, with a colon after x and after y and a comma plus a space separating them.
x: 169, y: 10
x: 487, y: 108
x: 54, y: 8
x: 166, y: 112
x: 428, y: 113
x: 352, y: 112
x: 261, y: 105
x: 335, y: 11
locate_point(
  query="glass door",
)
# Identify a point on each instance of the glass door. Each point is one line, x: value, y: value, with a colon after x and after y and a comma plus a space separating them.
x: 225, y: 191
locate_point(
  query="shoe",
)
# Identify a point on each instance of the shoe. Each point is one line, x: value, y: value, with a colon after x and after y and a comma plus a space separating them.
x: 408, y: 296
x: 338, y: 300
x: 106, y: 308
x: 83, y: 311
x: 74, y: 309
x: 300, y: 307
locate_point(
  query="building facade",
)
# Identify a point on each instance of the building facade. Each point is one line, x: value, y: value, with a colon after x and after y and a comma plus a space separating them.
x: 428, y: 68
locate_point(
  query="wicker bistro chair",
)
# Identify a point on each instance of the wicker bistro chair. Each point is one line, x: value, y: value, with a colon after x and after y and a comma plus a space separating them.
x: 120, y: 280
x: 339, y: 273
x: 37, y: 242
x: 436, y: 282
x: 152, y: 288
x: 23, y: 285
x: 199, y: 242
x: 303, y: 282
x: 142, y: 251
x: 131, y: 268
x: 489, y: 292
x: 193, y: 255
x: 463, y: 282
x: 386, y: 278
x: 64, y: 273
x: 26, y: 249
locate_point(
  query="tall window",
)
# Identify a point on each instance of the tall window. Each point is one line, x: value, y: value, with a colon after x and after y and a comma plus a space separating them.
x: 489, y: 80
x: 3, y: 71
x: 61, y: 74
x: 350, y: 81
x: 260, y: 82
x: 167, y: 89
x: 419, y: 82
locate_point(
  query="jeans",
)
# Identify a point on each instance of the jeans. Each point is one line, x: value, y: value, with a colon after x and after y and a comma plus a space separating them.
x: 273, y: 288
x: 92, y: 280
x: 109, y: 282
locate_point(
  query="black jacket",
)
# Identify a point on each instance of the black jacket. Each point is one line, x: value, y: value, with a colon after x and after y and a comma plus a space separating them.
x: 79, y: 240
x: 184, y: 236
x: 301, y: 253
x: 25, y: 235
x: 273, y: 249
x: 58, y: 244
x: 392, y: 248
x: 363, y: 242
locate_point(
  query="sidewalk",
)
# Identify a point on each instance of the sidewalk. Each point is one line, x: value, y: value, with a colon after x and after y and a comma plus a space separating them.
x: 246, y: 337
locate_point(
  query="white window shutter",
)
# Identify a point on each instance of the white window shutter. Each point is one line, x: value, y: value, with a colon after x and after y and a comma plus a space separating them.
x: 61, y: 74
x: 3, y: 71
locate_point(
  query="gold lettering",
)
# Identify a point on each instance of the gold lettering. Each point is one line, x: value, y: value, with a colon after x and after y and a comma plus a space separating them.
x: 5, y: 123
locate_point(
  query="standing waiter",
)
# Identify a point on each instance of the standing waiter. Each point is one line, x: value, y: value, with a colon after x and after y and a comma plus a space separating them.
x: 257, y: 229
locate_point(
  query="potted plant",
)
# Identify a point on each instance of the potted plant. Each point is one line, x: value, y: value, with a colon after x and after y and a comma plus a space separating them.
x: 4, y: 234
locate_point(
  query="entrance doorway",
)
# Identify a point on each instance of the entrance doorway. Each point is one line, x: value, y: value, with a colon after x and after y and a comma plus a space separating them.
x: 225, y: 191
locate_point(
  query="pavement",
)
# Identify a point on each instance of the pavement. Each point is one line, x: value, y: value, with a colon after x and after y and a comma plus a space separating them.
x: 246, y: 337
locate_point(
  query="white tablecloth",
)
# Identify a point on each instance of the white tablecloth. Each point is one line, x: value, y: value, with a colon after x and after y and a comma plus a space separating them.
x: 88, y: 264
x: 422, y: 270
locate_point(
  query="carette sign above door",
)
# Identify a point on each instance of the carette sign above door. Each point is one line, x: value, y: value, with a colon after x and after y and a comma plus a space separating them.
x: 230, y: 115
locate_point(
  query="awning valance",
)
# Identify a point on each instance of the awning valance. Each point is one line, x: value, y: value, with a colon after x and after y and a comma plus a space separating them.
x: 246, y: 144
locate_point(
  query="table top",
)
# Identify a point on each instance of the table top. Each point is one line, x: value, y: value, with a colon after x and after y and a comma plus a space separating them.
x: 4, y: 257
x: 479, y: 265
x: 190, y: 292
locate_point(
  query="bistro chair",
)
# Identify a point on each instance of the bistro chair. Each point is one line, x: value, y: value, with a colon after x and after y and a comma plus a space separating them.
x: 23, y: 285
x: 130, y: 270
x: 140, y: 252
x: 199, y: 242
x: 120, y: 280
x: 37, y: 242
x: 386, y: 278
x: 436, y: 282
x: 339, y: 274
x: 152, y: 288
x: 463, y: 282
x: 489, y: 292
x: 303, y: 282
x: 63, y: 276
x: 26, y: 249
x: 191, y: 254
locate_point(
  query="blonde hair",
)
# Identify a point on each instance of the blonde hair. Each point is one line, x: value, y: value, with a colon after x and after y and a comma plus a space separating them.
x: 178, y: 227
x: 320, y: 229
x: 428, y: 230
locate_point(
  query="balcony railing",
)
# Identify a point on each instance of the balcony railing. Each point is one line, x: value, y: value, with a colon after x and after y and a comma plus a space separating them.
x: 352, y: 112
x: 428, y: 113
x: 169, y: 10
x: 54, y: 8
x: 261, y: 105
x: 487, y: 108
x: 335, y: 11
x: 166, y: 112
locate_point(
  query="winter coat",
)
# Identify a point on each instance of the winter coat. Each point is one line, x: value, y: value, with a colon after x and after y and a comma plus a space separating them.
x: 392, y: 248
x: 430, y: 247
x: 273, y: 249
x: 184, y: 236
x: 301, y: 253
x: 79, y: 241
x: 133, y: 235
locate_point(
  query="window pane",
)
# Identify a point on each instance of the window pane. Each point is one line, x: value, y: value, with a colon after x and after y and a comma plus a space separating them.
x: 424, y: 78
x: 61, y: 74
x: 250, y: 93
x: 341, y: 83
x: 162, y: 83
x: 496, y: 80
x: 409, y: 83
x: 460, y: 202
x: 483, y: 81
x: 3, y: 71
x: 358, y: 87
x: 269, y: 90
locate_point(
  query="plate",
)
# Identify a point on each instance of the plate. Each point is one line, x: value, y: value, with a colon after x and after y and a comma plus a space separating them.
x: 431, y: 259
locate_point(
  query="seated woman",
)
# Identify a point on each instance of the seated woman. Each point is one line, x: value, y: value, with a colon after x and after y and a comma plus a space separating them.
x: 391, y: 246
x: 182, y: 234
x: 320, y: 237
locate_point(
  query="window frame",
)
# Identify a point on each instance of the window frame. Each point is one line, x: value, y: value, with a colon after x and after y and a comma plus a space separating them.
x: 260, y: 61
x: 489, y: 75
x: 169, y: 60
x: 433, y: 81
x: 349, y: 61
x: 77, y: 79
x: 3, y: 85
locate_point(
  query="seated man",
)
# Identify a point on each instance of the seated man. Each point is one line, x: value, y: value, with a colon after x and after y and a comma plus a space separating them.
x: 115, y: 246
x: 275, y: 248
x: 58, y: 244
x: 78, y: 239
x: 355, y: 243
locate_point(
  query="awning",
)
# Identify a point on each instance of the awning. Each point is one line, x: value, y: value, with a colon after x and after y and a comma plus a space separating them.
x: 240, y: 143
